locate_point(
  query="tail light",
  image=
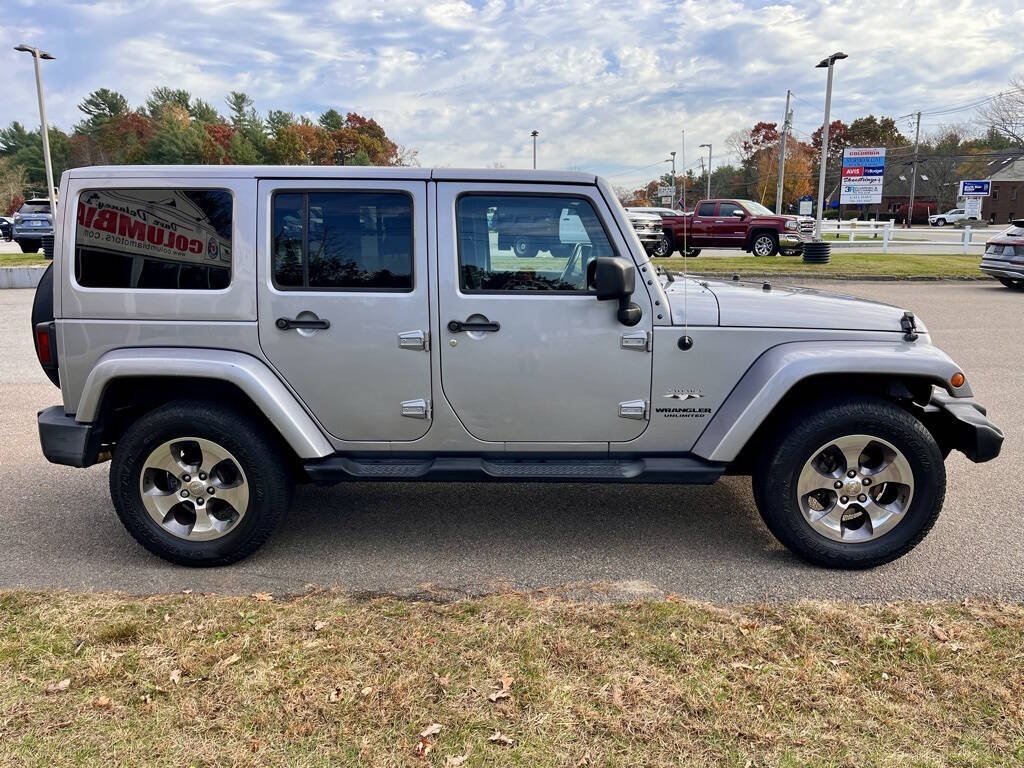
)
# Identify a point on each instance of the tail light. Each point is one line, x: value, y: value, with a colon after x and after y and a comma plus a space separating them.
x: 46, y: 345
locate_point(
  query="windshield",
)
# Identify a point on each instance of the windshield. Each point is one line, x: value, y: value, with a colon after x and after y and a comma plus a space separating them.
x: 35, y: 206
x: 756, y: 208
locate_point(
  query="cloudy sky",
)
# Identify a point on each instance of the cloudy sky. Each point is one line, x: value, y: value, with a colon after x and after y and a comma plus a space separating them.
x: 609, y: 85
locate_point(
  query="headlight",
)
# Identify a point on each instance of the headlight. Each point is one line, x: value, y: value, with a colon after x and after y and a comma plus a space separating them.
x: 17, y: 217
x: 790, y: 224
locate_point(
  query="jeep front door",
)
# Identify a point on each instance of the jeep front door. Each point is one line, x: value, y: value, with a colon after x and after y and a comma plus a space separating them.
x: 528, y: 353
x: 343, y: 302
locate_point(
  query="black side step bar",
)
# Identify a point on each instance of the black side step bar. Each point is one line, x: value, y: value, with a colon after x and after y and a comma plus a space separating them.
x: 657, y: 469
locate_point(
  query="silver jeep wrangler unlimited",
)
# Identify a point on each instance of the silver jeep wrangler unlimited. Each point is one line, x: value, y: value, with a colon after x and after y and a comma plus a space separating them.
x: 221, y: 333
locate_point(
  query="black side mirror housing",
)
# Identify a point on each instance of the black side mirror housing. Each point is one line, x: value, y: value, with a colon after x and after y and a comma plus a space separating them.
x: 615, y: 279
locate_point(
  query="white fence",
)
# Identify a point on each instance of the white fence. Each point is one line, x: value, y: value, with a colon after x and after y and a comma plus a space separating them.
x: 884, y: 234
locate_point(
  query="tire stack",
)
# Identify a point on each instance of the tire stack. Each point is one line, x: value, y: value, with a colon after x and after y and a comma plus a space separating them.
x: 818, y: 252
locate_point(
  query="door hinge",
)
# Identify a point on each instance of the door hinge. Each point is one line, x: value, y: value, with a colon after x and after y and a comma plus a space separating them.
x: 639, y: 340
x: 634, y: 409
x: 416, y: 409
x: 414, y: 340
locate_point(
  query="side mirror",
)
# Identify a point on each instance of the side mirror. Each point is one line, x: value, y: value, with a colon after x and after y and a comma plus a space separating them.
x: 615, y: 279
x: 739, y: 214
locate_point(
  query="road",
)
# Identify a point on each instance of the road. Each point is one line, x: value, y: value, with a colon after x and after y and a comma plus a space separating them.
x: 58, y: 530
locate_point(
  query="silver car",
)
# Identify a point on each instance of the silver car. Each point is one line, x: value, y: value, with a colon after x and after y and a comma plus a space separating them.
x: 219, y: 334
x: 32, y: 222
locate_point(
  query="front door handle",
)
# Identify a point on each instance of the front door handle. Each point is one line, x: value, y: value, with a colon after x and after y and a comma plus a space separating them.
x: 288, y: 324
x: 489, y: 326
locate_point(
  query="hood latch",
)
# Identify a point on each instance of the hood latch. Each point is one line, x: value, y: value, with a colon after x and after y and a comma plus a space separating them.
x: 909, y: 325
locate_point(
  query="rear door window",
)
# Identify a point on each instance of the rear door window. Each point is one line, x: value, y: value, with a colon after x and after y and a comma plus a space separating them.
x: 157, y: 238
x: 34, y: 206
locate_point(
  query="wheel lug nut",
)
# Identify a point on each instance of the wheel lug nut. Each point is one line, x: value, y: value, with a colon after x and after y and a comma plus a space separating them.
x: 211, y: 490
x: 851, y: 473
x: 199, y: 501
x: 202, y: 475
x: 184, y: 494
x: 866, y: 481
x: 186, y: 478
x: 862, y: 498
x: 843, y: 499
x: 837, y: 484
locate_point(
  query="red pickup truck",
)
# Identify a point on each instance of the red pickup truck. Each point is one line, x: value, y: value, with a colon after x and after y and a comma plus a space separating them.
x: 741, y: 224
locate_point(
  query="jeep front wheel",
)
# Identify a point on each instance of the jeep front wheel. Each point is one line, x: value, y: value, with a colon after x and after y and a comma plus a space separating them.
x: 855, y: 484
x: 199, y: 484
x: 765, y: 244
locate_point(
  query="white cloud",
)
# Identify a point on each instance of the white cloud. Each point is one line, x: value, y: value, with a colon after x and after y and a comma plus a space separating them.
x: 608, y: 84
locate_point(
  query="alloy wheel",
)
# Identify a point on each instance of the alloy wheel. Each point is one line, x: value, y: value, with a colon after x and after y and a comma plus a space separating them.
x: 194, y: 488
x: 855, y: 488
x: 764, y: 246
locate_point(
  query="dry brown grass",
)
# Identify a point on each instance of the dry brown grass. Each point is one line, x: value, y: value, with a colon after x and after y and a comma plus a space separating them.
x: 328, y: 680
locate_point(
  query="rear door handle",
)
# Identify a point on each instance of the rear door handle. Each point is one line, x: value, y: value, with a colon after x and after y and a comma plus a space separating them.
x: 489, y: 326
x: 287, y: 324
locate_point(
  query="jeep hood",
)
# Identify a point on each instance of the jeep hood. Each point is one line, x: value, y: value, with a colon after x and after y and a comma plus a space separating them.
x: 752, y: 305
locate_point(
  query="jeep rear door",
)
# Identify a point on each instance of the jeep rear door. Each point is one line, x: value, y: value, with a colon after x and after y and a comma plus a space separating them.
x: 343, y: 301
x: 528, y: 354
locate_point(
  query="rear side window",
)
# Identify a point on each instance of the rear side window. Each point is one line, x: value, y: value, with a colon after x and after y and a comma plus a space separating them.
x: 162, y: 238
x: 342, y: 240
x: 706, y: 209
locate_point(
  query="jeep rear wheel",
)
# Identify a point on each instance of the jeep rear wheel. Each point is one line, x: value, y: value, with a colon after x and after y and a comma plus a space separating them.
x: 765, y: 244
x: 855, y: 484
x: 199, y: 484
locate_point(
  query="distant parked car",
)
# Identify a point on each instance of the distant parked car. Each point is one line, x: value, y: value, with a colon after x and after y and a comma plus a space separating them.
x: 648, y: 228
x: 672, y: 221
x: 31, y: 222
x: 950, y: 217
x: 1004, y: 256
x: 6, y: 228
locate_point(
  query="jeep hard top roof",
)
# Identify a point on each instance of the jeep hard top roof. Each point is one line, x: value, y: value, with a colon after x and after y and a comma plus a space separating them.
x: 330, y: 172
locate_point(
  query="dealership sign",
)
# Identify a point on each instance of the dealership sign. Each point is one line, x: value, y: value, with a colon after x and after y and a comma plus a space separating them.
x: 975, y: 188
x: 863, y: 175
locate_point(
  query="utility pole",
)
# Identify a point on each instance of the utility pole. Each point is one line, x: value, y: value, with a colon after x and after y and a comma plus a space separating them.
x: 828, y: 63
x: 38, y: 54
x: 709, y: 170
x: 534, y: 134
x: 913, y: 173
x: 672, y: 160
x: 682, y: 161
x: 782, y: 155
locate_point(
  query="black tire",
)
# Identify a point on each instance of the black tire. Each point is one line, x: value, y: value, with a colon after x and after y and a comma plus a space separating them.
x: 775, y: 480
x: 524, y: 248
x: 692, y: 253
x: 767, y: 242
x: 259, y: 454
x: 42, y: 312
x: 664, y: 248
x: 29, y: 246
x: 940, y: 222
x: 1016, y: 284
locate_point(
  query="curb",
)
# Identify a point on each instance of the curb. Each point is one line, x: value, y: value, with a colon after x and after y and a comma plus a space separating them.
x: 20, y: 277
x: 851, y: 278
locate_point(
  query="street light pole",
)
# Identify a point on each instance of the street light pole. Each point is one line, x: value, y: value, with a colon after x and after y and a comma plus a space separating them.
x: 534, y: 134
x: 682, y: 160
x: 38, y: 54
x: 828, y: 63
x: 782, y: 156
x: 708, y: 196
x: 913, y: 174
x: 672, y: 159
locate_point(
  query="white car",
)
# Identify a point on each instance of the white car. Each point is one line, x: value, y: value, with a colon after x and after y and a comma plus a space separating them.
x: 950, y: 217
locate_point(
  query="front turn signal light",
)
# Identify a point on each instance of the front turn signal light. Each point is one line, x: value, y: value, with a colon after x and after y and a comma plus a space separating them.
x: 957, y: 380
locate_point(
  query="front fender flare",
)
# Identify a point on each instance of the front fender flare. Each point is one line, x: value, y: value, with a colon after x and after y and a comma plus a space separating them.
x: 249, y: 374
x: 780, y: 368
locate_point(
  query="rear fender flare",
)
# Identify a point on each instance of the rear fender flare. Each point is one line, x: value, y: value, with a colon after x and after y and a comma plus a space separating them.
x: 267, y: 392
x: 780, y: 368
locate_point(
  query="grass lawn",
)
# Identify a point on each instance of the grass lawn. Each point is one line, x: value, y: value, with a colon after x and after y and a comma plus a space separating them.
x: 842, y: 265
x: 23, y: 260
x: 507, y: 680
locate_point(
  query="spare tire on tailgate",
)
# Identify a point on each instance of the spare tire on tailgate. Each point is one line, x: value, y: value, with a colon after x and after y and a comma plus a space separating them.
x: 42, y: 312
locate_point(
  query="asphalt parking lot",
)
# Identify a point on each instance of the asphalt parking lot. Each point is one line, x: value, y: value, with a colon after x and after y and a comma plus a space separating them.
x: 58, y: 529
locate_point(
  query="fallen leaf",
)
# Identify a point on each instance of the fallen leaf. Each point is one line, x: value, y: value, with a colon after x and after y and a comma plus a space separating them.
x: 617, y: 695
x: 455, y: 762
x: 431, y: 730
x: 955, y: 647
x: 319, y: 625
x: 167, y: 617
x: 838, y: 662
x: 262, y: 597
x: 502, y: 693
x: 228, y: 661
x: 175, y: 676
x: 740, y: 665
x: 939, y: 633
x: 367, y: 690
x: 186, y: 591
x: 498, y: 695
x: 500, y: 738
x: 102, y: 702
x: 63, y: 685
x: 744, y: 631
x: 334, y: 695
x: 423, y: 747
x: 441, y: 681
